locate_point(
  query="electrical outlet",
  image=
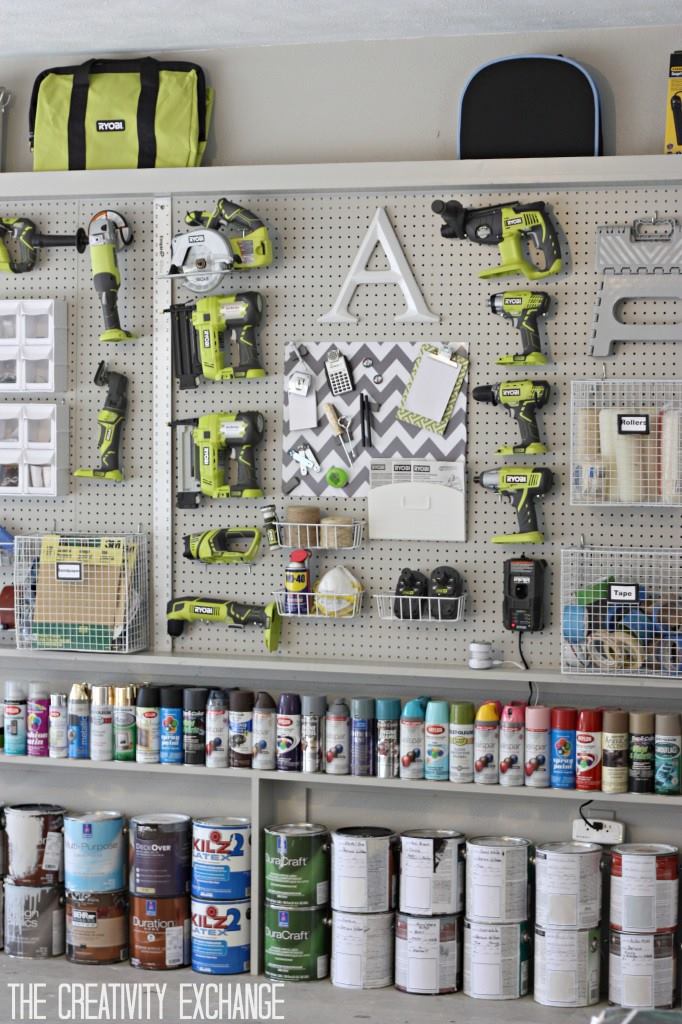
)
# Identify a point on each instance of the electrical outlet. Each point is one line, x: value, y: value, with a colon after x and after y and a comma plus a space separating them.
x: 611, y: 832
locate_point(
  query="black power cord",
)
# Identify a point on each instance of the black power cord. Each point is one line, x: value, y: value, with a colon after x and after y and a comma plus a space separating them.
x: 525, y: 663
x: 597, y: 826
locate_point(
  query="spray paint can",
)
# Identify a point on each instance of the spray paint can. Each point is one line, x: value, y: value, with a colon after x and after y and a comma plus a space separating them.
x: 313, y: 732
x: 641, y: 752
x: 615, y: 744
x: 338, y: 738
x: 269, y: 514
x: 538, y: 747
x: 194, y: 724
x: 412, y: 740
x: 487, y: 744
x: 37, y: 721
x: 289, y: 757
x: 387, y: 757
x: 148, y: 725
x: 588, y: 750
x: 436, y: 740
x: 297, y: 583
x: 362, y: 736
x: 57, y: 730
x: 102, y: 724
x: 217, y: 728
x: 512, y: 744
x: 667, y: 753
x: 15, y: 718
x: 562, y: 770
x: 78, y: 710
x: 240, y: 732
x: 170, y: 751
x: 264, y: 732
x: 124, y: 723
x: 461, y: 759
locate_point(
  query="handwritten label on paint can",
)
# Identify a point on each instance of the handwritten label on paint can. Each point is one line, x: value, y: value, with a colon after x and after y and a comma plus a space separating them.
x: 431, y: 872
x: 642, y: 970
x: 568, y: 885
x: 498, y: 879
x: 644, y: 887
x: 567, y: 964
x: 364, y: 869
x: 362, y: 950
x: 496, y: 960
x: 428, y: 953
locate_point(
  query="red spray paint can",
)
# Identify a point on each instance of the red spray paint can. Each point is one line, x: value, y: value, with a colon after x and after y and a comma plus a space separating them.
x: 588, y: 749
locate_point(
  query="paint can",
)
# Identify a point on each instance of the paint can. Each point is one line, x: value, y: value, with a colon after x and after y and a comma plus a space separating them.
x: 97, y: 927
x: 170, y: 712
x: 78, y: 728
x: 562, y: 765
x: 264, y: 732
x: 217, y: 728
x: 221, y: 936
x: 538, y: 747
x: 297, y: 869
x: 37, y: 721
x: 125, y: 731
x: 668, y: 746
x: 94, y: 852
x: 221, y: 858
x: 194, y: 724
x: 412, y: 740
x: 431, y: 872
x: 34, y: 921
x: 615, y: 743
x: 496, y: 960
x: 512, y: 744
x: 57, y: 728
x: 363, y: 728
x: 296, y: 944
x: 148, y: 724
x: 498, y: 879
x: 461, y: 759
x: 160, y: 931
x: 487, y: 744
x: 641, y: 752
x: 35, y: 844
x: 289, y: 756
x: 313, y: 742
x: 568, y: 885
x: 588, y: 749
x: 428, y: 954
x: 160, y: 854
x: 364, y: 867
x: 387, y: 756
x: 566, y: 966
x: 337, y: 738
x: 644, y: 886
x: 102, y: 724
x: 642, y: 970
x: 437, y: 741
x: 240, y: 728
x: 362, y: 950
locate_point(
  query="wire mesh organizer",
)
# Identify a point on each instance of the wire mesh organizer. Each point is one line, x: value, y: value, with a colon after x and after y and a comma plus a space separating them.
x: 621, y: 611
x: 82, y: 593
x: 626, y: 442
x: 392, y: 608
x: 330, y: 533
x: 315, y: 605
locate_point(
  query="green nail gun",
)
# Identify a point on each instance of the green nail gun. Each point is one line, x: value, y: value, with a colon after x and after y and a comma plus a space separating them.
x: 28, y: 240
x: 208, y: 609
x: 110, y: 419
x: 200, y: 331
x: 222, y: 547
x: 206, y: 443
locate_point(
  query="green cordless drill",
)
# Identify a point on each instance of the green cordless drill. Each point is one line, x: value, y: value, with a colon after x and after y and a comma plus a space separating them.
x: 520, y: 485
x: 522, y: 398
x: 523, y: 309
x: 209, y: 609
x: 223, y: 547
x: 201, y: 330
x: 110, y: 419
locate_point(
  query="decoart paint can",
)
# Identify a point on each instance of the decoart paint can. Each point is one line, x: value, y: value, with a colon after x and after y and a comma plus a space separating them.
x: 338, y: 738
x: 170, y: 712
x: 57, y: 729
x: 124, y: 723
x: 562, y: 768
x: 97, y: 927
x: 566, y: 966
x: 487, y: 744
x: 538, y: 747
x: 148, y: 724
x: 461, y: 759
x: 37, y: 721
x: 437, y: 741
x: 641, y: 754
x: 160, y: 932
x: 297, y: 865
x: 362, y: 736
x: 615, y: 743
x: 568, y: 885
x: 642, y: 970
x: 221, y: 858
x: 289, y: 756
x: 160, y: 854
x: 94, y: 852
x: 221, y: 936
x: 34, y: 921
x: 668, y: 746
x: 102, y: 724
x: 364, y: 869
x: 387, y: 758
x: 431, y: 872
x: 78, y: 710
x: 194, y: 724
x: 313, y: 732
x: 362, y: 950
x: 588, y: 749
x: 240, y: 728
x: 412, y: 740
x: 35, y: 844
x: 498, y: 879
x: 496, y: 960
x: 264, y: 733
x: 428, y: 954
x: 512, y: 744
x: 644, y: 887
x: 296, y: 945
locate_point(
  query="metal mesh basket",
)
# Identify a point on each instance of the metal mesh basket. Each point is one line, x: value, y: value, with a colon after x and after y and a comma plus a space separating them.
x: 391, y: 608
x: 82, y: 593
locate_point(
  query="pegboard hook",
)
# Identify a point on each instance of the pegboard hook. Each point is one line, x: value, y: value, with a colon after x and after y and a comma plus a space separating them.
x: 603, y: 371
x: 582, y: 541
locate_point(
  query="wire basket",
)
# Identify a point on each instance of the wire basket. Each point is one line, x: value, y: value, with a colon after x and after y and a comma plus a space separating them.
x: 392, y: 608
x: 82, y: 593
x: 626, y: 442
x: 621, y: 612
x: 322, y: 536
x: 309, y: 605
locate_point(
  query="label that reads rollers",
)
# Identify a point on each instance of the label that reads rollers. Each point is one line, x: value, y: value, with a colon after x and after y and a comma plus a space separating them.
x: 624, y: 593
x: 633, y: 424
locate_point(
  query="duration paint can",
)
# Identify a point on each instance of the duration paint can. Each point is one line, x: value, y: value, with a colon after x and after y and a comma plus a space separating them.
x: 160, y: 854
x: 364, y: 862
x: 160, y: 931
x: 94, y: 852
x: 34, y: 921
x: 642, y: 970
x: 568, y: 885
x: 297, y: 869
x: 498, y: 879
x: 221, y: 858
x: 362, y: 950
x: 644, y: 886
x: 428, y: 954
x: 221, y: 936
x: 566, y: 966
x: 296, y: 946
x: 97, y: 927
x: 496, y: 960
x: 35, y: 844
x: 431, y: 872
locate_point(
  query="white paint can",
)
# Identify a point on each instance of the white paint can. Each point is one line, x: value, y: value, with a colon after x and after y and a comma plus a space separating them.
x: 568, y: 885
x: 362, y: 950
x: 644, y: 887
x: 498, y: 879
x: 428, y: 954
x: 431, y: 871
x: 34, y: 921
x: 364, y: 868
x: 496, y: 960
x: 642, y: 969
x: 566, y: 971
x: 35, y: 844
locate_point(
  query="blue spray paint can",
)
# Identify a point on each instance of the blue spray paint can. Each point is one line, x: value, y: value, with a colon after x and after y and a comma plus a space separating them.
x: 171, y: 725
x: 15, y: 719
x: 362, y: 736
x: 437, y: 741
x: 562, y: 770
x: 78, y: 718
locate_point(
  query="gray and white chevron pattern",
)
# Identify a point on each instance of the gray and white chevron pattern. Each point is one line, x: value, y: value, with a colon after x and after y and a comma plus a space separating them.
x: 390, y: 438
x: 618, y: 253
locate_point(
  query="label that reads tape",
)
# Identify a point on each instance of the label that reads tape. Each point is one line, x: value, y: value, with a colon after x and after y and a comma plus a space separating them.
x: 633, y: 424
x: 71, y: 571
x: 624, y: 593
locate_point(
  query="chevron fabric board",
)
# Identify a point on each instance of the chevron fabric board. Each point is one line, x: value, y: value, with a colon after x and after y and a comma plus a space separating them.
x: 392, y: 361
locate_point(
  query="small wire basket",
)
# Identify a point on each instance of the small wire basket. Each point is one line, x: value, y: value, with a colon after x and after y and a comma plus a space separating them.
x: 309, y: 605
x: 392, y: 608
x: 323, y: 536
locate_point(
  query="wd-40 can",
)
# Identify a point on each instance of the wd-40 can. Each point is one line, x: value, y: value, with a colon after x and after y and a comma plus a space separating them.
x: 313, y: 732
x: 297, y: 583
x: 102, y: 724
x: 79, y: 721
x: 37, y: 720
x: 362, y: 736
x: 436, y: 740
x: 461, y: 760
x: 387, y: 745
x: 562, y: 771
x: 264, y: 732
x: 412, y: 740
x: 217, y: 729
x: 338, y: 738
x: 124, y: 723
x: 171, y: 725
x: 487, y: 743
x: 57, y: 737
x: 512, y: 743
x: 537, y: 750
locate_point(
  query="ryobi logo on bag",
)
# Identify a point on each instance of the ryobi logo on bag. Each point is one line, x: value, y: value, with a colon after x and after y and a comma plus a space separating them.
x: 117, y: 125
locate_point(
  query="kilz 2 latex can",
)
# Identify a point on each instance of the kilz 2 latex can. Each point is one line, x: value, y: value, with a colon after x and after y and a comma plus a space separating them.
x: 296, y: 946
x: 644, y: 887
x: 362, y: 950
x: 431, y: 872
x: 568, y: 885
x: 221, y: 858
x: 428, y: 954
x: 160, y: 856
x: 496, y: 960
x: 297, y: 869
x: 96, y: 927
x: 566, y: 966
x: 364, y: 863
x: 94, y: 852
x: 159, y: 932
x: 35, y: 843
x: 498, y: 879
x: 34, y: 921
x: 642, y: 970
x: 221, y: 936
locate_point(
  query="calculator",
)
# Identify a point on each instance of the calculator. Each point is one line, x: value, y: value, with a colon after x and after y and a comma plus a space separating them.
x: 339, y: 373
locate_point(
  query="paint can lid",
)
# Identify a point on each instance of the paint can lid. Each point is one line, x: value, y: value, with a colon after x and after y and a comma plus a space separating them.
x: 489, y: 711
x: 57, y: 700
x: 388, y: 708
x: 79, y: 691
x: 102, y: 695
x: 264, y: 702
x: 515, y: 712
x: 314, y: 704
x: 564, y: 718
x: 364, y: 832
x: 14, y: 690
x: 147, y: 697
x: 538, y: 717
x: 363, y: 707
x: 297, y: 828
x: 170, y: 697
x: 194, y: 698
x: 241, y: 700
x: 217, y: 698
x: 339, y: 708
x: 37, y: 690
x: 438, y: 711
x: 642, y: 722
x: 124, y: 696
x: 289, y: 704
x: 668, y: 723
x: 615, y: 720
x: 462, y: 712
x: 590, y: 719
x: 413, y: 709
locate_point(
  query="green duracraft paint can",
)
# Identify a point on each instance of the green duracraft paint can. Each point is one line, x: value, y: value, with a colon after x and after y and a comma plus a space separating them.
x: 297, y: 865
x: 296, y: 945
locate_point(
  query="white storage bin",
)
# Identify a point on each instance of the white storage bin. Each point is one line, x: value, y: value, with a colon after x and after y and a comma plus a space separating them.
x: 33, y: 337
x: 34, y: 449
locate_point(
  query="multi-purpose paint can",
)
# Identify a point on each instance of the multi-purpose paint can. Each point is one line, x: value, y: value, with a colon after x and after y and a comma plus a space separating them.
x: 78, y: 711
x: 644, y: 887
x: 170, y: 712
x: 148, y: 724
x: 14, y: 709
x: 362, y: 950
x: 364, y: 869
x: 437, y: 741
x: 588, y: 749
x: 297, y: 864
x: 296, y: 944
x: 562, y: 766
x: 387, y: 755
x: 264, y: 733
x: 487, y: 744
x: 160, y: 854
x: 289, y: 756
x: 37, y: 721
x: 641, y: 753
x: 240, y: 731
x: 58, y: 743
x: 35, y: 844
x: 498, y: 879
x: 221, y: 936
x: 362, y: 736
x: 221, y: 858
x: 537, y: 755
x: 496, y: 960
x: 160, y: 932
x: 461, y: 753
x: 642, y: 970
x: 194, y: 724
x: 124, y: 723
x: 428, y: 954
x: 512, y: 743
x: 668, y: 746
x: 313, y: 732
x: 615, y: 743
x: 34, y: 921
x: 431, y: 872
x: 412, y: 740
x: 95, y: 852
x: 568, y: 885
x: 566, y: 966
x: 102, y: 724
x: 217, y: 728
x: 337, y: 738
x: 97, y: 927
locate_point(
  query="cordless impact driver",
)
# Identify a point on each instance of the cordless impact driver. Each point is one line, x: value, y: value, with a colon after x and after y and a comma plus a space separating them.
x: 521, y: 485
x: 523, y: 308
x: 208, y: 609
x: 213, y: 439
x: 110, y: 419
x: 522, y: 398
x: 200, y: 334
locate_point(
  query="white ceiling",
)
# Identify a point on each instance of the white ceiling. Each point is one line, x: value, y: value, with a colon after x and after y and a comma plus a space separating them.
x: 78, y: 26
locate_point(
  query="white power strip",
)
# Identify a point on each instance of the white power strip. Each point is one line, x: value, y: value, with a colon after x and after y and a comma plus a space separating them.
x: 608, y: 834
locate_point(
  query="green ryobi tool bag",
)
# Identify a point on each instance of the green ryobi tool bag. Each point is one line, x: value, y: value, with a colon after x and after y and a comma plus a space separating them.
x: 119, y: 113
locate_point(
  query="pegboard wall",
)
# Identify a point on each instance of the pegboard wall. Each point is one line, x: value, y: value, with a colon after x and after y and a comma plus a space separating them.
x: 315, y: 238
